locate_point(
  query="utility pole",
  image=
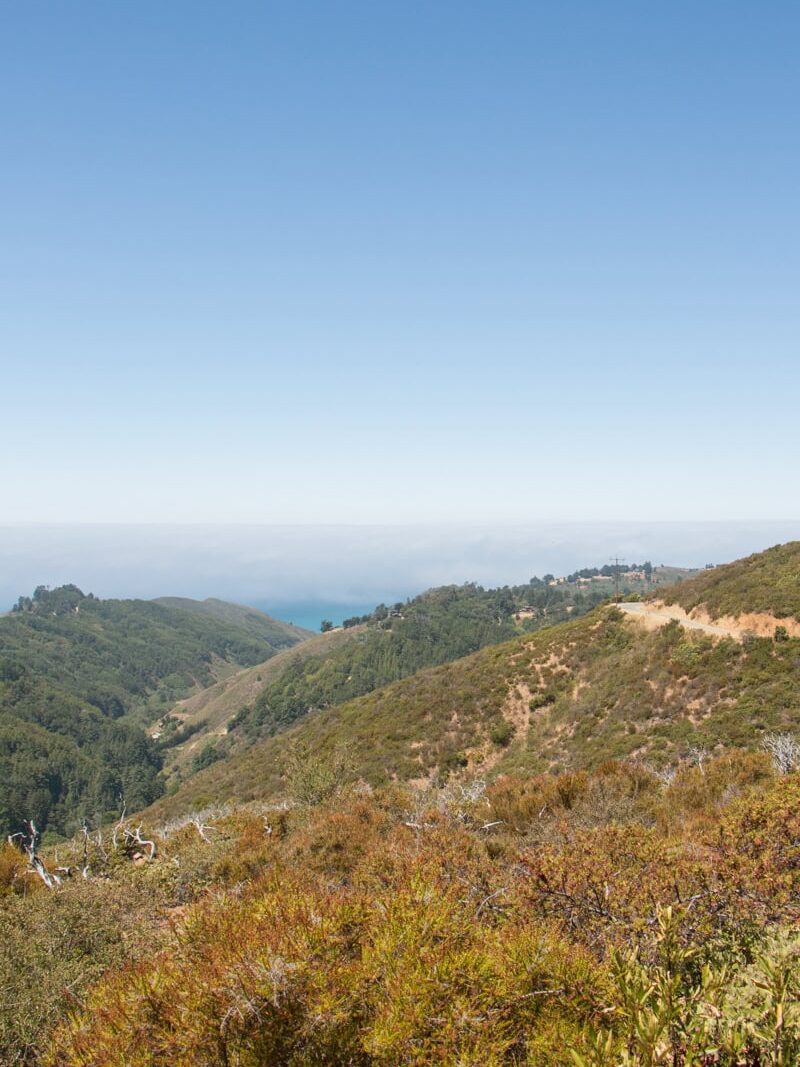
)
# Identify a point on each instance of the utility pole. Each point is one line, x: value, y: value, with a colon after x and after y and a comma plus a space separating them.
x: 616, y: 561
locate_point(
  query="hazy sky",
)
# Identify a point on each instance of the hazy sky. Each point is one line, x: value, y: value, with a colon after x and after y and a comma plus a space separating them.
x: 379, y: 262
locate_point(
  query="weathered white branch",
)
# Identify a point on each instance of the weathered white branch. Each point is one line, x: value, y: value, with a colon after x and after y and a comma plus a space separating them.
x: 697, y: 757
x: 118, y: 828
x: 134, y: 837
x: 35, y: 864
x: 784, y: 751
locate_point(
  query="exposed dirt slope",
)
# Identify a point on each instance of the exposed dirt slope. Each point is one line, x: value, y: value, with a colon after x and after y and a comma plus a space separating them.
x: 654, y: 614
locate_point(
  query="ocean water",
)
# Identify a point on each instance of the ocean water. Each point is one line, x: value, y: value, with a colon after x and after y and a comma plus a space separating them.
x: 309, y: 614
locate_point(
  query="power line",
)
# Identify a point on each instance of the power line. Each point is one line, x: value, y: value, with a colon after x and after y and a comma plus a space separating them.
x: 616, y: 561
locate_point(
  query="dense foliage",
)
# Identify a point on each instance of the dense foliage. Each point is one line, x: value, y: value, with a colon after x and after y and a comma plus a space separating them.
x: 62, y: 762
x: 619, y: 917
x: 79, y: 677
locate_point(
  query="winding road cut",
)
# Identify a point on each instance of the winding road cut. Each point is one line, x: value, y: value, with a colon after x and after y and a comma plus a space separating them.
x: 656, y: 615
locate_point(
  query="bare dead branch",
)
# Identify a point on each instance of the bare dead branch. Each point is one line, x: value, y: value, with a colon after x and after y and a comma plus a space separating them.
x: 134, y: 837
x: 784, y: 751
x: 35, y: 864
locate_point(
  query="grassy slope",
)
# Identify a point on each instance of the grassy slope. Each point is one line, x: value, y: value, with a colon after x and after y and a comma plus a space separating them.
x: 766, y: 582
x: 437, y: 627
x: 600, y: 687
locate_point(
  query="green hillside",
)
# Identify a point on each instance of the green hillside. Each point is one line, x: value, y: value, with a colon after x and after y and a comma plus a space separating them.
x: 62, y: 760
x: 79, y: 678
x: 127, y: 656
x: 572, y: 695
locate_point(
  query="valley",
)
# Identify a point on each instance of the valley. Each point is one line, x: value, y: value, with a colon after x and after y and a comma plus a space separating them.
x: 81, y: 678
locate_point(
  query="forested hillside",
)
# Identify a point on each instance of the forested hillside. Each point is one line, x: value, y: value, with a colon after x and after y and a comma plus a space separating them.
x: 79, y: 678
x: 126, y: 656
x: 62, y: 760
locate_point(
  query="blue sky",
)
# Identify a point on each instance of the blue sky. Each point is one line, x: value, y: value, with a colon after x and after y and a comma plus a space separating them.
x: 383, y: 262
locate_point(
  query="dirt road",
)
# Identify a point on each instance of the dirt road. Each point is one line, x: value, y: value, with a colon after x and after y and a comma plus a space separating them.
x: 656, y: 615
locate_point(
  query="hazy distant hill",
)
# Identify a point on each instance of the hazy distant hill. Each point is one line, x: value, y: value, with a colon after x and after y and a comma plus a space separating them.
x: 278, y: 634
x: 577, y: 694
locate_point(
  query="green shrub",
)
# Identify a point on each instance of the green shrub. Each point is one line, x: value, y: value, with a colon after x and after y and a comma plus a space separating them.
x: 501, y: 733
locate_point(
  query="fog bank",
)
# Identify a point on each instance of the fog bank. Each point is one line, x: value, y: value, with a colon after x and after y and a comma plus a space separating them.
x: 285, y: 565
